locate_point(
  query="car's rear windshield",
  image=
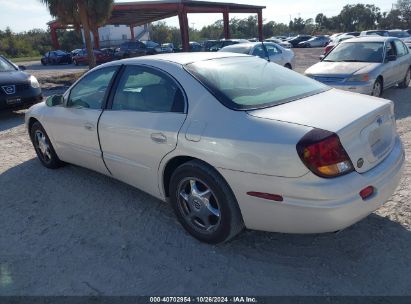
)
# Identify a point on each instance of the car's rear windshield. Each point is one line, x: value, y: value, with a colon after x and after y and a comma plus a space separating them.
x: 5, y: 66
x: 246, y: 82
x: 357, y: 52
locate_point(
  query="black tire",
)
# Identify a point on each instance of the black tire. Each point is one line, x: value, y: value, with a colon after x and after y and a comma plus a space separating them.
x: 50, y: 160
x: 377, y: 88
x: 406, y: 82
x: 227, y: 224
x: 288, y: 66
x: 43, y: 62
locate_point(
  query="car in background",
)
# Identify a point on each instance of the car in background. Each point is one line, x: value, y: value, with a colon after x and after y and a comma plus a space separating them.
x: 336, y: 41
x: 75, y: 52
x: 17, y: 88
x: 297, y: 39
x: 408, y: 31
x: 403, y: 35
x: 167, y: 48
x: 153, y: 47
x: 207, y: 44
x: 231, y: 142
x: 56, y: 57
x: 365, y: 65
x: 101, y: 57
x: 130, y: 49
x: 226, y: 42
x: 280, y: 42
x: 382, y: 33
x: 195, y: 46
x: 355, y: 34
x: 267, y: 50
x: 333, y: 36
x: 110, y: 51
x: 319, y: 41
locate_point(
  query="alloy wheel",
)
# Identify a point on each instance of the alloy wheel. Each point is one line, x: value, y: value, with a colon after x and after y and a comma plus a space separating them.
x: 42, y: 146
x: 198, y: 205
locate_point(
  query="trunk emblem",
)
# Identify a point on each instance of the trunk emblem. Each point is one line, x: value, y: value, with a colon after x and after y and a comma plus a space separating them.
x: 360, y: 163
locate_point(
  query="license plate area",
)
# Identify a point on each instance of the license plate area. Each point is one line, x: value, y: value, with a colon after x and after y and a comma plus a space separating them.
x: 13, y: 101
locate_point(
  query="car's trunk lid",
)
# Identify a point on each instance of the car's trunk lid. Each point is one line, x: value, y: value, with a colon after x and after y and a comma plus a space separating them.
x: 365, y: 125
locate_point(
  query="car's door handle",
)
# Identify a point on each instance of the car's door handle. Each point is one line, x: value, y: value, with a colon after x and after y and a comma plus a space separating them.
x: 89, y: 126
x: 159, y: 138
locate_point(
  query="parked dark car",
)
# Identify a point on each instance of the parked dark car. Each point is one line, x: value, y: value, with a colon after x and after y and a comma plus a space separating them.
x: 101, y: 57
x: 223, y: 43
x: 300, y: 38
x: 17, y: 88
x: 56, y: 57
x: 207, y: 44
x: 152, y: 47
x: 131, y: 49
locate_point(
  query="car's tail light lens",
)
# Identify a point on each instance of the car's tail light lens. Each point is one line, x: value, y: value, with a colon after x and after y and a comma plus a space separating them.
x: 322, y: 152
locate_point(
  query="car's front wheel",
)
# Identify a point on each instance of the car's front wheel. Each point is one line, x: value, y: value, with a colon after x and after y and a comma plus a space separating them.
x: 406, y: 82
x: 204, y: 203
x: 43, y: 147
x: 377, y: 88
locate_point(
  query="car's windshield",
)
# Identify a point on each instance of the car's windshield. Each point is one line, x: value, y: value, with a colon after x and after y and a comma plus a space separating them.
x: 400, y: 34
x: 5, y: 66
x: 242, y: 83
x: 357, y: 52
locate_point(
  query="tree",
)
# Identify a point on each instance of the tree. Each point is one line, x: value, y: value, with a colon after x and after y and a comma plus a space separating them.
x: 404, y: 7
x: 359, y: 17
x: 88, y: 14
x: 391, y: 20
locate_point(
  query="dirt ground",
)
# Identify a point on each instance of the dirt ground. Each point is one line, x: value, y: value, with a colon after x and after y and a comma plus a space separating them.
x: 75, y: 232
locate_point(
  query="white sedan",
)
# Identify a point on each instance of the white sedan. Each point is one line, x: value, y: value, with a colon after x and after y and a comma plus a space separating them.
x: 230, y: 140
x: 268, y: 50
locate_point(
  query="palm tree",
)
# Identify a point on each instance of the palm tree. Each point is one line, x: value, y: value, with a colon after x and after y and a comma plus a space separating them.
x: 88, y: 14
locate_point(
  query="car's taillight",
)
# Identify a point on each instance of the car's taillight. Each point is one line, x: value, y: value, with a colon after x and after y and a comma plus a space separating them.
x: 322, y: 152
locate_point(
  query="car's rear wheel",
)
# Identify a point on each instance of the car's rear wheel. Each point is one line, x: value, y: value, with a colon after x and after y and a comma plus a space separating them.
x: 204, y: 203
x: 43, y: 147
x: 406, y: 82
x: 377, y: 88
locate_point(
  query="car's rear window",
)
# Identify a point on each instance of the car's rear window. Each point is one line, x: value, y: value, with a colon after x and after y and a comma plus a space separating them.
x: 246, y: 82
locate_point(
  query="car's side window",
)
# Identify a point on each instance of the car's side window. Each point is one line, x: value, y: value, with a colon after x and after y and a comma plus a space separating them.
x: 259, y: 51
x: 148, y: 90
x: 400, y: 48
x: 90, y: 91
x: 272, y: 50
x: 390, y: 50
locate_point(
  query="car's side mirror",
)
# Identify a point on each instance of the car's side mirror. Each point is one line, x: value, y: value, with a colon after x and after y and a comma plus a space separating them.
x: 390, y: 58
x: 22, y: 67
x: 54, y: 100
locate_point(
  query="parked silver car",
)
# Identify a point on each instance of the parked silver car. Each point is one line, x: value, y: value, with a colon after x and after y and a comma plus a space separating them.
x: 269, y: 51
x: 365, y: 65
x: 319, y: 41
x: 229, y: 140
x: 403, y: 35
x: 280, y: 42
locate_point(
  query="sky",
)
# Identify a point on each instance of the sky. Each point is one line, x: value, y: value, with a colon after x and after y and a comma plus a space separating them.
x: 23, y: 15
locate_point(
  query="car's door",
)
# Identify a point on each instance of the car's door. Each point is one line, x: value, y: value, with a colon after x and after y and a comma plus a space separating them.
x: 402, y: 60
x: 390, y: 67
x: 141, y: 125
x: 74, y: 125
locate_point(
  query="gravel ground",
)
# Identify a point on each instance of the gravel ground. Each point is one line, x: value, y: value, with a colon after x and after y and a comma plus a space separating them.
x: 75, y: 232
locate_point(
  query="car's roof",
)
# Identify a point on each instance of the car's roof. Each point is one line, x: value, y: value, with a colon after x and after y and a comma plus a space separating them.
x: 184, y: 58
x: 374, y: 38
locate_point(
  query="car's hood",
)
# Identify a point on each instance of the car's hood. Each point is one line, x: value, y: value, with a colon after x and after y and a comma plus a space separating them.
x: 340, y: 68
x: 14, y: 77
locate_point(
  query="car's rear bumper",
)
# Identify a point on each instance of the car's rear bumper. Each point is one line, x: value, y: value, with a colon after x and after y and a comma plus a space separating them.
x: 312, y: 204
